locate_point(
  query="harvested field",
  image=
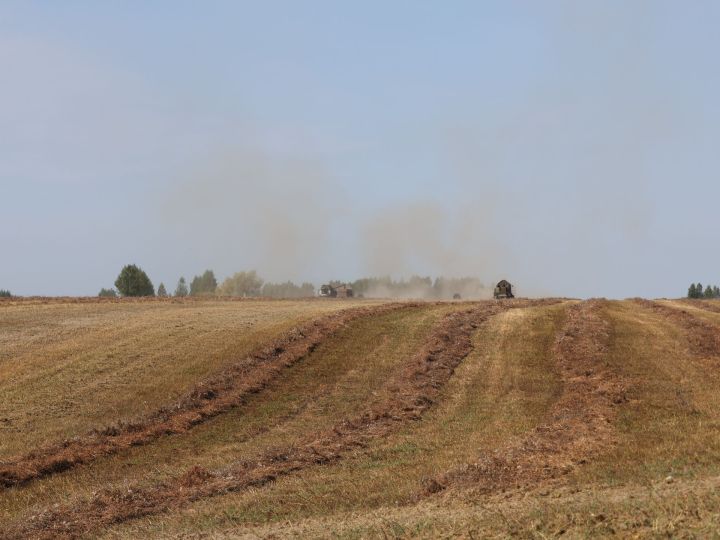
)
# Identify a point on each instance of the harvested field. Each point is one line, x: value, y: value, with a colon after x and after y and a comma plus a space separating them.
x: 707, y: 305
x: 577, y: 426
x: 358, y: 418
x: 702, y: 335
x: 131, y: 357
x: 206, y: 399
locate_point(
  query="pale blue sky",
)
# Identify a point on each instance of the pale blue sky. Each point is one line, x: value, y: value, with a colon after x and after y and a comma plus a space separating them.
x: 571, y: 147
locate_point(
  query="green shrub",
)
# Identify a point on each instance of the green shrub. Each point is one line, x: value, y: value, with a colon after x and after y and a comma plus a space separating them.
x: 132, y: 281
x: 107, y: 293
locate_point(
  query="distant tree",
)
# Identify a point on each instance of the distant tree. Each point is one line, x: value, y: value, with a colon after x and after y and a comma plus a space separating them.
x: 419, y: 287
x: 181, y: 289
x: 5, y: 294
x: 132, y: 281
x: 692, y: 292
x: 708, y: 292
x: 107, y: 293
x: 287, y: 290
x: 203, y: 285
x: 307, y: 288
x: 372, y: 286
x: 241, y: 284
x: 698, y: 290
x: 716, y: 292
x: 162, y: 293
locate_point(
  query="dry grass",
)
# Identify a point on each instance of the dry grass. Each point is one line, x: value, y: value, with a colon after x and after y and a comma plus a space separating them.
x: 659, y: 477
x: 708, y: 310
x: 677, y: 510
x: 475, y: 414
x: 334, y: 380
x: 671, y: 424
x: 66, y: 368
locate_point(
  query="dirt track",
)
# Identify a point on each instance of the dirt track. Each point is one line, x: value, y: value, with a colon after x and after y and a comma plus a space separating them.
x: 413, y: 389
x: 211, y: 397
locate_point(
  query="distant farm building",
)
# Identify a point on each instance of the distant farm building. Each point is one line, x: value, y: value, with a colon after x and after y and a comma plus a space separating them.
x: 503, y: 290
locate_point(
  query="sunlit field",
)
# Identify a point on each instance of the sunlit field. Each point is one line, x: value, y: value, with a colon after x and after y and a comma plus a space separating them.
x: 358, y: 418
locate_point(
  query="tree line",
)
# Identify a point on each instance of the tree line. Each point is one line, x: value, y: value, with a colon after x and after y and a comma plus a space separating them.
x: 418, y: 287
x: 134, y: 281
x: 696, y: 291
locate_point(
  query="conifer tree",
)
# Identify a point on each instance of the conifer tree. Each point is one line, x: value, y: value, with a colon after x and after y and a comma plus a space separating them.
x: 203, y: 285
x: 181, y: 289
x: 132, y: 281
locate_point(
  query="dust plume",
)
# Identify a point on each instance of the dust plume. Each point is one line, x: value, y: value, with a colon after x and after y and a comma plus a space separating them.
x: 243, y: 210
x: 427, y: 288
x: 427, y: 238
x: 292, y: 219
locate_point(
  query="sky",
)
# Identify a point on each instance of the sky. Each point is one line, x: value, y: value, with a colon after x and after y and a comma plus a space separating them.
x: 569, y: 147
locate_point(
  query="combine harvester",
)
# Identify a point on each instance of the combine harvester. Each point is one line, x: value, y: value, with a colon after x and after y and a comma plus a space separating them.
x: 503, y: 290
x: 336, y: 291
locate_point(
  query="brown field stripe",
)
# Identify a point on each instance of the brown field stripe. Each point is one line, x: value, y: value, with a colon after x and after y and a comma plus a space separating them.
x: 712, y: 306
x: 413, y: 390
x: 703, y: 337
x: 218, y: 394
x: 578, y: 425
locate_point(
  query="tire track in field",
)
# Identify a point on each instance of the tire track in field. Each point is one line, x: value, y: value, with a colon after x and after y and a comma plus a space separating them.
x: 703, y: 337
x: 412, y: 391
x: 208, y: 399
x: 579, y: 425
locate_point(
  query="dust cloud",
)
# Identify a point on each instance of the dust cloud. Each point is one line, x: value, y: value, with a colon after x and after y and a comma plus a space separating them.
x: 292, y: 219
x: 243, y: 210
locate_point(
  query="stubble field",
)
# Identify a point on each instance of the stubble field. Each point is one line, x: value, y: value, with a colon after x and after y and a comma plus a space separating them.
x: 359, y: 418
